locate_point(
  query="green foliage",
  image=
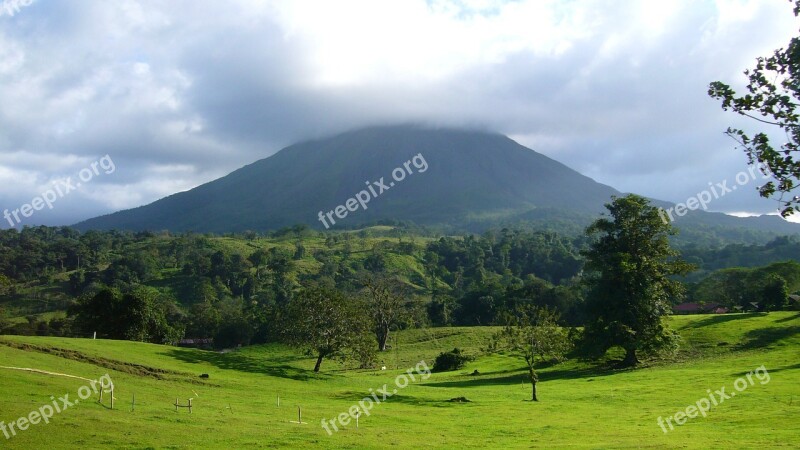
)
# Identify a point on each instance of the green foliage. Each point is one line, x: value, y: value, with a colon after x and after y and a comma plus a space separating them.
x: 5, y: 284
x: 779, y: 249
x: 768, y: 286
x: 773, y: 98
x: 440, y: 310
x: 774, y: 293
x: 362, y: 350
x: 385, y: 304
x: 234, y: 327
x: 534, y: 336
x: 325, y: 323
x: 630, y: 266
x: 140, y: 315
x: 235, y: 288
x: 451, y: 360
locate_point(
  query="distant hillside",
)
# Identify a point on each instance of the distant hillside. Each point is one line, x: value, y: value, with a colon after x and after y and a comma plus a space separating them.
x: 467, y: 180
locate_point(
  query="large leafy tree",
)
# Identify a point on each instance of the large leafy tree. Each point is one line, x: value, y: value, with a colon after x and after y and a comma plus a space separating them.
x: 535, y: 336
x: 630, y: 268
x: 772, y: 98
x: 774, y: 292
x: 326, y: 323
x: 139, y: 315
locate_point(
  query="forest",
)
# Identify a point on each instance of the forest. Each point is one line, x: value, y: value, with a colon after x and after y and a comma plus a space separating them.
x: 235, y: 288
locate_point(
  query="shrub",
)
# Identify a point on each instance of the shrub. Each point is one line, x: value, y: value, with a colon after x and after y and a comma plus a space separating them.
x: 452, y: 360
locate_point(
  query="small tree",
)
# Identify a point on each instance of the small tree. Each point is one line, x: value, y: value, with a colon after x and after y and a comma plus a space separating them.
x: 385, y: 305
x: 534, y: 336
x: 325, y: 323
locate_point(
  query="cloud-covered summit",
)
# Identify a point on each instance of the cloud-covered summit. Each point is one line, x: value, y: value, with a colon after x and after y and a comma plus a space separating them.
x: 182, y: 92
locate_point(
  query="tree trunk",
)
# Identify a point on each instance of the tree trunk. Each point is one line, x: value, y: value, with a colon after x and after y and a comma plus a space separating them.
x: 319, y: 362
x: 630, y: 358
x: 534, y: 379
x: 383, y: 336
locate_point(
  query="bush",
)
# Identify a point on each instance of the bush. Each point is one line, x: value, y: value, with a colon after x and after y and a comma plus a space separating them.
x: 452, y: 360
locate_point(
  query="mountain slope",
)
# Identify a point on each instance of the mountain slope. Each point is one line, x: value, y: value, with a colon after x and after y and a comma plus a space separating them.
x: 466, y: 180
x: 469, y: 175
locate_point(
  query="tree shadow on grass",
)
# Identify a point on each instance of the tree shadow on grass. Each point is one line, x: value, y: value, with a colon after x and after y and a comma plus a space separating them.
x: 398, y: 397
x: 550, y: 375
x: 771, y: 371
x: 764, y: 337
x: 788, y: 319
x: 781, y: 369
x: 721, y: 318
x: 272, y: 366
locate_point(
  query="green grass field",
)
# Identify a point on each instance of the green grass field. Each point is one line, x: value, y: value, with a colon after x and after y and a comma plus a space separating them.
x: 582, y: 405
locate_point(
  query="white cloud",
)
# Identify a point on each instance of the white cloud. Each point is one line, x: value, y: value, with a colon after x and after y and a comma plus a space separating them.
x: 182, y: 92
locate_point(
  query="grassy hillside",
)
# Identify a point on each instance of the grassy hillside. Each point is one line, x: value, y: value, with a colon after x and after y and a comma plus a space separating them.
x: 581, y: 405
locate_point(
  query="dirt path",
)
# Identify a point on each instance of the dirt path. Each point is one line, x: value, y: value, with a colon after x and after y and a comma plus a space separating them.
x: 45, y: 372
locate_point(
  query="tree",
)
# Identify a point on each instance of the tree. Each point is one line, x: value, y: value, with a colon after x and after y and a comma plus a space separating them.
x: 5, y: 284
x: 204, y: 320
x: 324, y: 322
x: 773, y: 98
x: 385, y: 306
x: 279, y: 263
x: 774, y: 292
x: 534, y: 335
x: 97, y: 313
x: 431, y: 264
x: 630, y: 267
x: 440, y: 310
x: 3, y: 321
x: 259, y: 260
x: 139, y: 315
x: 143, y: 313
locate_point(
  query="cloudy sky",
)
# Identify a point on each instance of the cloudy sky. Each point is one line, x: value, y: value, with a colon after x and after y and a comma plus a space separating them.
x: 178, y: 93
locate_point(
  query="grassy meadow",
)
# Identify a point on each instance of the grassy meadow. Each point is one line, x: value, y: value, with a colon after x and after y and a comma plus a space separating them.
x: 582, y: 404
